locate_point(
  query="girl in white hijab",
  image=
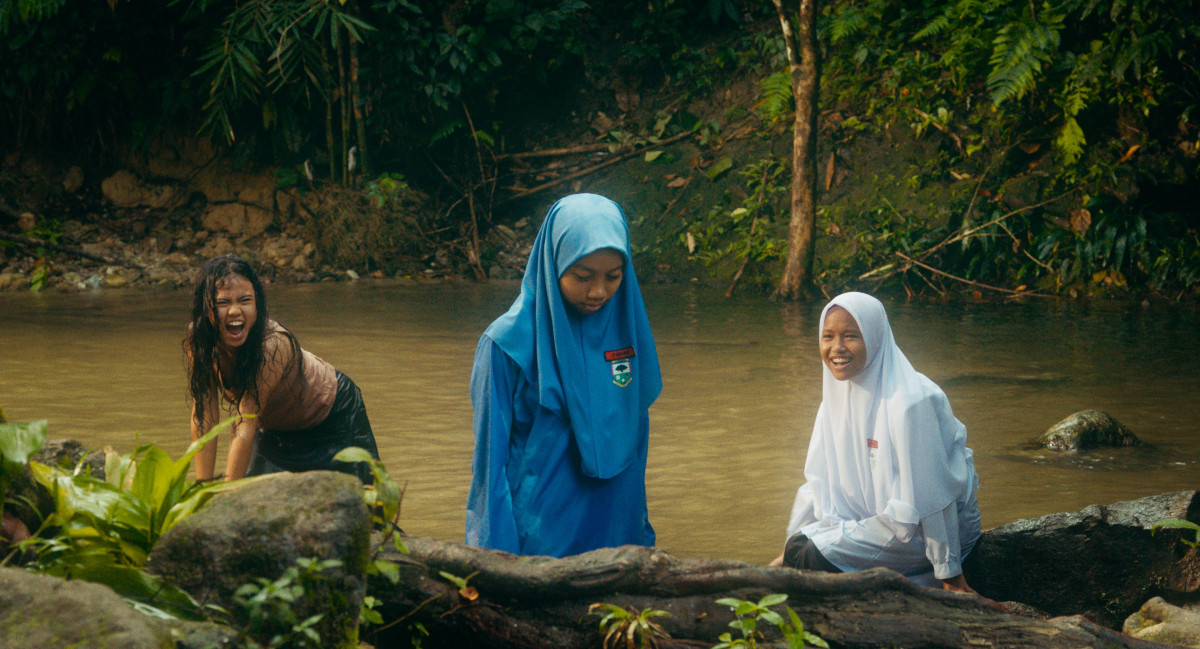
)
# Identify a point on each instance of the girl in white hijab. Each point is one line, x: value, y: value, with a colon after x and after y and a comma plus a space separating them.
x: 889, y: 479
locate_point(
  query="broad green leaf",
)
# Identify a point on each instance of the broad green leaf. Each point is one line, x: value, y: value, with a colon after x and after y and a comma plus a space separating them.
x: 353, y: 454
x: 19, y: 441
x: 771, y: 617
x: 153, y: 476
x: 389, y: 569
x: 772, y: 600
x: 399, y: 544
x: 651, y: 156
x: 721, y: 166
x: 142, y: 587
x: 454, y: 579
x: 195, y: 499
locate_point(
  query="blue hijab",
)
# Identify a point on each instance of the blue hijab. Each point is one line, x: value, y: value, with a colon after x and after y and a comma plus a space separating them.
x: 572, y: 359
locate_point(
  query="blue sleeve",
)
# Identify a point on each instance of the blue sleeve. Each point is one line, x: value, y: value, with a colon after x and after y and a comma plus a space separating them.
x: 490, y: 520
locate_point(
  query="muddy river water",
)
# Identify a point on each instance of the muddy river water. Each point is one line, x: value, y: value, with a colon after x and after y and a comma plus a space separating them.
x: 728, y: 434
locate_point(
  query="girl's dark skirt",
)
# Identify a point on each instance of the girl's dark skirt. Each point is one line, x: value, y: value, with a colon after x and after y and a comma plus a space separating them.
x: 800, y: 552
x: 312, y: 449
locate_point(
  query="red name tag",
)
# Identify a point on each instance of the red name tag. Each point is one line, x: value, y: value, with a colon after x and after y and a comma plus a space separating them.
x: 872, y: 443
x: 619, y: 354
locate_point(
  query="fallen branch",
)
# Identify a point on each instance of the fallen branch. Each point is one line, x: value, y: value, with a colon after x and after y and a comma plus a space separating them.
x: 942, y: 128
x: 965, y: 234
x: 553, y: 153
x: 889, y: 269
x: 31, y: 242
x: 584, y: 172
x: 967, y: 281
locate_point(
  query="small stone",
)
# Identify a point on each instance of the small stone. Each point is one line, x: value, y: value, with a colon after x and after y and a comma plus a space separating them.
x: 73, y: 180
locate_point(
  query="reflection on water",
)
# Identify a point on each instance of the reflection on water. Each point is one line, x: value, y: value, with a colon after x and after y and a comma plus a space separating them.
x: 728, y: 434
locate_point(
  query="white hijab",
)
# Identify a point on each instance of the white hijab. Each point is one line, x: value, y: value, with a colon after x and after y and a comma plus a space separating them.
x: 885, y: 441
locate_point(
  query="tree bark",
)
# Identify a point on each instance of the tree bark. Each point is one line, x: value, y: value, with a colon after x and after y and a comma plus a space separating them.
x: 796, y: 281
x: 542, y: 602
x: 360, y: 128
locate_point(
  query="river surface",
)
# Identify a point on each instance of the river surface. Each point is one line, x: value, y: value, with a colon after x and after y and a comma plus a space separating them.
x: 728, y: 434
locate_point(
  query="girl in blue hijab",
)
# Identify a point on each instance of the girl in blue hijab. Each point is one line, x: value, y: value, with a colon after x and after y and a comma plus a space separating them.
x: 561, y: 388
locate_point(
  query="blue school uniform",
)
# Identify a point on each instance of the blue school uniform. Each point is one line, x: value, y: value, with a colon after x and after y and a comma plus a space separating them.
x: 561, y: 403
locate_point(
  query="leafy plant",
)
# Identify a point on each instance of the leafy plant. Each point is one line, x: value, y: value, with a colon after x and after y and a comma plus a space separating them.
x: 386, y: 188
x: 18, y: 442
x: 1179, y: 524
x: 750, y: 234
x: 629, y: 628
x: 748, y: 615
x: 103, y: 530
x: 382, y: 497
x: 268, y: 607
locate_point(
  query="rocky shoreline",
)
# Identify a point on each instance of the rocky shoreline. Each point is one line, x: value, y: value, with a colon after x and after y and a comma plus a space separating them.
x: 153, y: 223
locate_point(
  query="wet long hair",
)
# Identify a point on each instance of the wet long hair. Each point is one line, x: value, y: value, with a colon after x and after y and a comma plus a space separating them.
x: 201, y: 342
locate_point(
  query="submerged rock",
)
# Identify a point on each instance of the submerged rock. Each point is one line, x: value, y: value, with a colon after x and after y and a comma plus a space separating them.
x: 1085, y: 430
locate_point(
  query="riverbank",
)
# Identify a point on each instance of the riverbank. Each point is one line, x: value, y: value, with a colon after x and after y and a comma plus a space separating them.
x: 125, y: 232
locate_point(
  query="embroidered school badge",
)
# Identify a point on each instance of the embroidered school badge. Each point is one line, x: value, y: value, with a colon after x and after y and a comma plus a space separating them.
x: 622, y: 369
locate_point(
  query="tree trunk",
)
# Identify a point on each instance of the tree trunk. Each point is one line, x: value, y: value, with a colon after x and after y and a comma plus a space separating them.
x: 345, y: 99
x: 359, y: 121
x: 527, y: 602
x: 796, y: 281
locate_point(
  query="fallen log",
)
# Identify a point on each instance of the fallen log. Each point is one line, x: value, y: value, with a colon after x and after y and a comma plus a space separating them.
x: 534, y: 602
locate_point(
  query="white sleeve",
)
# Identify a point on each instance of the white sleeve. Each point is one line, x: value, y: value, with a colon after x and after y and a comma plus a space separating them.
x: 803, y: 510
x: 942, y: 545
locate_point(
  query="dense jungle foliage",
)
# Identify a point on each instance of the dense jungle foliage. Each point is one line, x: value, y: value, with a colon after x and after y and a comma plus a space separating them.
x: 1042, y: 146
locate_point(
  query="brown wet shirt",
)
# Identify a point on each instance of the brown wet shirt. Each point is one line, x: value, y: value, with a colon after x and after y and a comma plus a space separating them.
x: 301, y: 399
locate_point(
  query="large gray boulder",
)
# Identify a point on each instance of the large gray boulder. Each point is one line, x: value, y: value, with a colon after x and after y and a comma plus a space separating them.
x: 1101, y: 562
x: 259, y: 531
x: 1086, y: 430
x: 51, y: 613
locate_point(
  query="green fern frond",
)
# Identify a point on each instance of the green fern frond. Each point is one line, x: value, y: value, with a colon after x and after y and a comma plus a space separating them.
x: 446, y: 131
x: 935, y: 27
x: 775, y: 96
x: 1070, y: 141
x: 847, y: 23
x: 19, y: 12
x: 1019, y: 51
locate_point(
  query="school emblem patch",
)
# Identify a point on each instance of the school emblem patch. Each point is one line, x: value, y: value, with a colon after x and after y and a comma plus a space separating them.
x: 622, y: 369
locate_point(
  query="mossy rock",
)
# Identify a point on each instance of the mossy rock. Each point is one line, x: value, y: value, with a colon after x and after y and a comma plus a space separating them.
x: 1086, y: 430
